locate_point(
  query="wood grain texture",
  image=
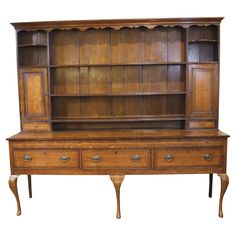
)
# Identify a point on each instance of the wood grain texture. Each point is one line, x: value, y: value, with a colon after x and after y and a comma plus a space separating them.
x: 203, y: 91
x: 45, y: 158
x: 201, y: 124
x: 115, y: 158
x: 36, y: 126
x: 118, y: 135
x: 34, y: 102
x: 188, y: 157
x: 120, y: 157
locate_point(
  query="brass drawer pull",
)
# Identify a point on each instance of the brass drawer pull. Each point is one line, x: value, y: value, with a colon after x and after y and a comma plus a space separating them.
x: 96, y: 158
x: 136, y: 157
x: 208, y: 157
x: 27, y: 158
x: 64, y: 158
x: 169, y: 157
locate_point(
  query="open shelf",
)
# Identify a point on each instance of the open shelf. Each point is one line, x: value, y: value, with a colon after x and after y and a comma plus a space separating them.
x: 124, y: 46
x: 199, y: 33
x: 32, y: 56
x: 32, y: 38
x: 203, y: 44
x: 203, y: 51
x: 32, y: 48
x: 118, y: 80
x: 145, y: 107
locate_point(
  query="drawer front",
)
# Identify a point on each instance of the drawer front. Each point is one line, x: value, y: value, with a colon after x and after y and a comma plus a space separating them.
x: 188, y: 157
x: 35, y: 126
x: 201, y: 124
x: 46, y: 158
x: 116, y: 158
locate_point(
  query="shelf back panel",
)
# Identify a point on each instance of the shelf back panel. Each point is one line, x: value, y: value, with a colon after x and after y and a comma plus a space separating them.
x: 126, y: 45
x: 118, y: 79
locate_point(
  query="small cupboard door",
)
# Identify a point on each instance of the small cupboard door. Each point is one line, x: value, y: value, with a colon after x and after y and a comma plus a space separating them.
x: 33, y: 87
x: 203, y: 91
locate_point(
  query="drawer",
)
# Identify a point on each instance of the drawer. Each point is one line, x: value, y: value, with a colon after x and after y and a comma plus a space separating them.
x: 36, y: 126
x: 188, y: 157
x: 45, y: 158
x: 116, y: 158
x: 203, y: 124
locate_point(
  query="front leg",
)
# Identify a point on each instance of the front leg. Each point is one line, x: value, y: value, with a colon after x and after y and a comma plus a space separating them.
x: 117, y: 181
x: 224, y: 184
x: 13, y: 187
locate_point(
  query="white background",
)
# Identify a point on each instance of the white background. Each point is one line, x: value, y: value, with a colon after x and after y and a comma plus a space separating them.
x: 85, y: 205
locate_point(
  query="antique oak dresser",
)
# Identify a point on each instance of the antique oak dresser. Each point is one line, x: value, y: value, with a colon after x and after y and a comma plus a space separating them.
x: 119, y: 97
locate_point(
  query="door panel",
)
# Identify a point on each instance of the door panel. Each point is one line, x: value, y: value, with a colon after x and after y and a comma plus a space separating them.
x: 33, y: 94
x: 203, y: 91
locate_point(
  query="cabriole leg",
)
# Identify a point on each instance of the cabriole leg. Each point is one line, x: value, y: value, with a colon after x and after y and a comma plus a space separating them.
x: 117, y: 181
x: 13, y: 187
x: 224, y: 184
x: 210, y: 185
x: 30, y: 186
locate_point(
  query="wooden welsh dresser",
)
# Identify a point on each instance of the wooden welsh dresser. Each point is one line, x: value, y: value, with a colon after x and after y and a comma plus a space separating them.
x: 119, y: 97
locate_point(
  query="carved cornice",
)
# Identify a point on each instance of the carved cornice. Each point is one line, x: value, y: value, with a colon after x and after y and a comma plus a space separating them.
x: 116, y: 24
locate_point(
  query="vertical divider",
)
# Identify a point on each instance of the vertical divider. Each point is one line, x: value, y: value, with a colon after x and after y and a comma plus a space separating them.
x: 110, y: 75
x: 78, y: 68
x: 167, y: 72
x: 142, y: 102
x: 49, y: 80
x: 186, y: 74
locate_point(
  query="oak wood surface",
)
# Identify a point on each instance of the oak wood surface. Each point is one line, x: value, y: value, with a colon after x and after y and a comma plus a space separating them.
x: 119, y: 134
x: 117, y: 97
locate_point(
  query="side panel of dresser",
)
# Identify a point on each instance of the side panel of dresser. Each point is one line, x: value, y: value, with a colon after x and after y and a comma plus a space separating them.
x: 34, y: 102
x: 94, y: 157
x: 203, y: 90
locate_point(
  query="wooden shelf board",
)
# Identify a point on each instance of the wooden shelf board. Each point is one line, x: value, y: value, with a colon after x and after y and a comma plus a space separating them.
x: 203, y: 62
x: 203, y: 41
x: 120, y: 119
x: 117, y: 94
x: 31, y: 45
x: 118, y: 64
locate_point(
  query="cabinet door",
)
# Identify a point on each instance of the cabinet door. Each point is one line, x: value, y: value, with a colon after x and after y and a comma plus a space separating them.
x: 203, y: 91
x: 33, y: 89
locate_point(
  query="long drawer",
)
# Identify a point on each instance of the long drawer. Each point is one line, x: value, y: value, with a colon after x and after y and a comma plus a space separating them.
x: 116, y: 158
x: 38, y: 158
x: 188, y: 157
